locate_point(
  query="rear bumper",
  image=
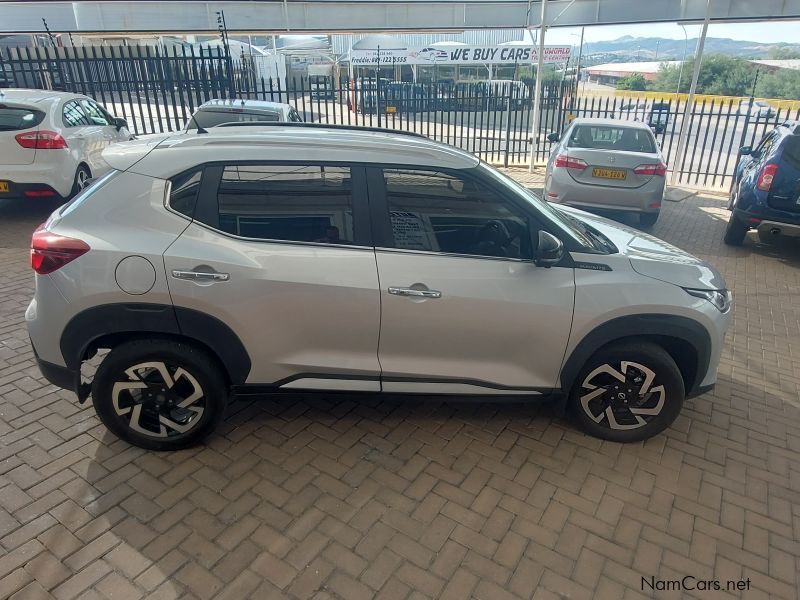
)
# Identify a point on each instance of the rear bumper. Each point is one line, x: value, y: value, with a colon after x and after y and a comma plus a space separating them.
x: 562, y: 189
x: 58, y: 176
x: 767, y: 228
x: 31, y: 191
x: 59, y: 376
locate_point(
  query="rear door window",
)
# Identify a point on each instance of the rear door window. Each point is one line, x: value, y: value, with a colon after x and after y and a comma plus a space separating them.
x: 292, y: 203
x: 74, y: 116
x: 16, y: 118
x: 610, y: 137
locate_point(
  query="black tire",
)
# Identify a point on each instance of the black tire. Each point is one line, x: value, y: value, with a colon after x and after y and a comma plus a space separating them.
x: 82, y: 176
x: 647, y: 220
x: 665, y: 392
x: 156, y: 399
x: 735, y: 231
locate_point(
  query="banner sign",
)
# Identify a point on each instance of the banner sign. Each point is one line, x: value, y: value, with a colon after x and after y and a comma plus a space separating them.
x: 459, y: 55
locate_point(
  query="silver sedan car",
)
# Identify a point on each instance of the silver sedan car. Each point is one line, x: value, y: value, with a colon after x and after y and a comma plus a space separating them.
x: 607, y: 164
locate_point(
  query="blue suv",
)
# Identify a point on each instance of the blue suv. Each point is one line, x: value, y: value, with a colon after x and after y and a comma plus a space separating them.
x: 766, y: 190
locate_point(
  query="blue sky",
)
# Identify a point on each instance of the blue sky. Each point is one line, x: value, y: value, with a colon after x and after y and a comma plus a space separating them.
x: 778, y: 31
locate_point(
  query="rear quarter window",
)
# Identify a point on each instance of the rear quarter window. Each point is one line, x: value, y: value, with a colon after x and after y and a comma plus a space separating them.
x: 14, y: 118
x: 183, y: 192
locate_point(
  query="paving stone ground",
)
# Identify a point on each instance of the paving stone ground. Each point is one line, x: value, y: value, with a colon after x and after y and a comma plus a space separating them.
x: 320, y: 497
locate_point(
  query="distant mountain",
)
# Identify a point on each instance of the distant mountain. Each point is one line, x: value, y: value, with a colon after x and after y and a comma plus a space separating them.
x: 630, y: 48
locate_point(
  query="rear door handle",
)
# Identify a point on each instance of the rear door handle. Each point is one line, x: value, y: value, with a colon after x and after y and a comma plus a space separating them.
x: 415, y: 293
x: 200, y: 276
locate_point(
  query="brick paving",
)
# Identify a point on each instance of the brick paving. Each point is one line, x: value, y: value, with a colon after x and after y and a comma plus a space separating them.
x: 314, y: 497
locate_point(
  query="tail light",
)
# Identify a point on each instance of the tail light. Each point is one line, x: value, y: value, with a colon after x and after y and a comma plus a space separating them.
x: 41, y: 140
x: 50, y: 251
x: 659, y: 170
x: 766, y: 177
x: 567, y: 162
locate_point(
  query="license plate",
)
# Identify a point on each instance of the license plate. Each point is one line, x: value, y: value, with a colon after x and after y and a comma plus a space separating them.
x: 3, y: 187
x: 391, y: 109
x: 609, y: 173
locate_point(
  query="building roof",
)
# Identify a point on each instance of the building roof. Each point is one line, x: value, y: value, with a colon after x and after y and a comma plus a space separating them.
x: 626, y: 68
x: 791, y: 63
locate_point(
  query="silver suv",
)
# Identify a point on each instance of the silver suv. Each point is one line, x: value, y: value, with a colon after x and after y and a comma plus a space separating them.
x: 296, y: 257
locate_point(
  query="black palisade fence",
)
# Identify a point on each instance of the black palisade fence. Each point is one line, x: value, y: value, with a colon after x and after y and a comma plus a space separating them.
x: 156, y: 89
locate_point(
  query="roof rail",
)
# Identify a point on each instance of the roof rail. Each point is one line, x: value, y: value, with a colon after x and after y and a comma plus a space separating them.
x: 794, y: 126
x: 328, y: 126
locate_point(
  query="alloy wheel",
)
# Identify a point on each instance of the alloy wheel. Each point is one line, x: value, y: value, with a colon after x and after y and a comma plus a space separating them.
x: 82, y: 179
x: 622, y: 397
x: 159, y: 399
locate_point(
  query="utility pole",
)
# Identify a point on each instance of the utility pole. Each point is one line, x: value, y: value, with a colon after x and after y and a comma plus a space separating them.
x: 578, y: 65
x: 687, y: 109
x: 537, y: 94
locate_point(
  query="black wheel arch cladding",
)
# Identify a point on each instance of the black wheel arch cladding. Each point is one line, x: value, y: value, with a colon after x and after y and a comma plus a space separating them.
x: 686, y: 340
x: 120, y: 321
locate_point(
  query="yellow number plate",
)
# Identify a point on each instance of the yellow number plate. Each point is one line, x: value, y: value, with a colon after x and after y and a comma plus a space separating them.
x: 391, y: 109
x: 608, y: 173
x: 3, y: 186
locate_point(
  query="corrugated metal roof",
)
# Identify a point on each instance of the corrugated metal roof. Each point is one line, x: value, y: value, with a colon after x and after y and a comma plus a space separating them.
x: 341, y: 43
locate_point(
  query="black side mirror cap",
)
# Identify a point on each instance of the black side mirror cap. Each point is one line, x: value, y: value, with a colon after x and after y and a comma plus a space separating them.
x: 119, y: 123
x: 549, y: 250
x: 745, y: 150
x: 553, y: 137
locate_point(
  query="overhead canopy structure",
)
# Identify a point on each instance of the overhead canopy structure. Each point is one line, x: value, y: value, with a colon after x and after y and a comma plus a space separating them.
x: 328, y: 16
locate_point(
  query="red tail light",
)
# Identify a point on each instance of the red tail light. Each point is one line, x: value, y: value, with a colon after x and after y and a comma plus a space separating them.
x: 766, y: 177
x: 41, y: 140
x: 50, y: 251
x: 567, y: 162
x: 659, y: 170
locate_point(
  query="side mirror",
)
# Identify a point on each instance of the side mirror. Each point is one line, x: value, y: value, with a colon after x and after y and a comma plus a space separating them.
x: 120, y: 123
x: 553, y: 137
x: 549, y: 250
x: 745, y: 150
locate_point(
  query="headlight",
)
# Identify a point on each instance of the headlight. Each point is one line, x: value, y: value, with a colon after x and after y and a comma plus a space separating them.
x: 719, y: 298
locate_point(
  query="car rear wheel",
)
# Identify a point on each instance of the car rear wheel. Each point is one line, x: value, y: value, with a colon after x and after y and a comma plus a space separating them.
x: 627, y: 392
x: 735, y: 231
x: 648, y: 219
x: 82, y: 177
x: 159, y: 394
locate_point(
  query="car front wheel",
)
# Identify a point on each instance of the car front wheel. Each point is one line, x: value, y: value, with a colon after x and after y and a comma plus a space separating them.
x: 627, y: 392
x: 159, y: 394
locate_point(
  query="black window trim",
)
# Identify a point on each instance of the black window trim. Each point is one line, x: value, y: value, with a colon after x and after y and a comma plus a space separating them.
x: 381, y: 221
x: 207, y: 206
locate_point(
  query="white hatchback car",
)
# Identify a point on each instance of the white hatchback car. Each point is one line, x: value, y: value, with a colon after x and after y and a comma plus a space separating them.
x: 51, y: 142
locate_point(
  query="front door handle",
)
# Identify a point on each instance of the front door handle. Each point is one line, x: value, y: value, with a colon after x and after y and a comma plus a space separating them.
x: 416, y: 293
x: 200, y: 276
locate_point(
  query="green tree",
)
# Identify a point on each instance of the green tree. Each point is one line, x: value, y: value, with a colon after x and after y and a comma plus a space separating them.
x: 722, y: 75
x: 635, y: 82
x: 784, y: 84
x: 782, y: 53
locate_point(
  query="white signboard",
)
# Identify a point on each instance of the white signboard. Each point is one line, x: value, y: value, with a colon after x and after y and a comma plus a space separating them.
x: 459, y: 55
